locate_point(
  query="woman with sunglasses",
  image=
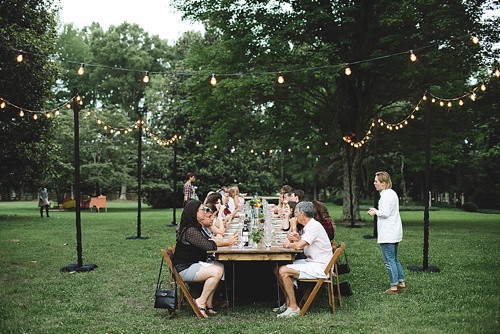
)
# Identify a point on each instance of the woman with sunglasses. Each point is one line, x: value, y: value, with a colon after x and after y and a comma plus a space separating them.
x: 190, y: 256
x: 214, y: 202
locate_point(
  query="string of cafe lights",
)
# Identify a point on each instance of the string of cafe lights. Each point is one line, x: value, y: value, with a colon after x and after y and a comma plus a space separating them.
x: 347, y: 71
x: 213, y: 77
x: 443, y: 102
x: 36, y: 114
x: 126, y: 130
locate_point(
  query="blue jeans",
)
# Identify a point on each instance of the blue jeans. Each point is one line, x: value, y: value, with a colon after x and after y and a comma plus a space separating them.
x: 394, y: 268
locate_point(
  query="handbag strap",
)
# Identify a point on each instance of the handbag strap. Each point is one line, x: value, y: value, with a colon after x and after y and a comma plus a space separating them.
x: 159, y: 275
x: 345, y: 256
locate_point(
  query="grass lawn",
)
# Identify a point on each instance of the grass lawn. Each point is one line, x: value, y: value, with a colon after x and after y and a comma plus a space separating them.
x: 117, y: 297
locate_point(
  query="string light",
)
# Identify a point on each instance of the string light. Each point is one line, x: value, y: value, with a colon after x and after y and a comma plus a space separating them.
x: 413, y: 57
x: 347, y: 70
x: 145, y: 78
x: 20, y: 57
x: 281, y: 79
x: 475, y: 39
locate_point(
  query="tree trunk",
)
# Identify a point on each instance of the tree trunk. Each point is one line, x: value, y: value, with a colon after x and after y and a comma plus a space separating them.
x: 355, y: 164
x: 403, y: 183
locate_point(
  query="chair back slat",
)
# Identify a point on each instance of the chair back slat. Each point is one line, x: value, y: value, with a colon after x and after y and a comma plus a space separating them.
x: 335, y: 258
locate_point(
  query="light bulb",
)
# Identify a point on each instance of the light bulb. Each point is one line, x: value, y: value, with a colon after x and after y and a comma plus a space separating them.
x: 20, y: 57
x: 475, y: 39
x: 497, y: 73
x: 347, y: 70
x: 281, y: 79
x: 473, y: 97
x: 145, y: 78
x: 2, y: 105
x: 35, y: 116
x: 81, y: 70
x: 47, y: 115
x: 412, y: 56
x: 213, y: 80
x: 483, y: 87
x: 21, y: 113
x: 449, y: 104
x: 460, y: 103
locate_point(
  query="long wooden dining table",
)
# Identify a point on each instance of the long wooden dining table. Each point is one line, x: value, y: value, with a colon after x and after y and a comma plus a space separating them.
x: 234, y: 254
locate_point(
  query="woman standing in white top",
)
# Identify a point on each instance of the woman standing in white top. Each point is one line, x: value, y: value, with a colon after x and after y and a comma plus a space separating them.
x: 390, y: 230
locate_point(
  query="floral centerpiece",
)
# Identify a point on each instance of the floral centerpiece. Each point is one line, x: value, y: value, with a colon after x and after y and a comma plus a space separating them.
x: 255, y: 203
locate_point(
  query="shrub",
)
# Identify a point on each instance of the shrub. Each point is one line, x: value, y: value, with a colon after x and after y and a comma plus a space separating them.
x: 157, y: 195
x: 338, y: 200
x: 470, y: 207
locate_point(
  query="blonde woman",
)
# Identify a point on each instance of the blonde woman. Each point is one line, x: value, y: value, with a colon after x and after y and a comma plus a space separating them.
x: 390, y: 230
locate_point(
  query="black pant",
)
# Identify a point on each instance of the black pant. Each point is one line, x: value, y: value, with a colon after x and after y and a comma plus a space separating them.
x: 46, y: 210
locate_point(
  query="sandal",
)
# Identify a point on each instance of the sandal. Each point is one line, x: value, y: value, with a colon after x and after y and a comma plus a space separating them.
x: 210, y: 310
x: 391, y: 292
x: 203, y: 310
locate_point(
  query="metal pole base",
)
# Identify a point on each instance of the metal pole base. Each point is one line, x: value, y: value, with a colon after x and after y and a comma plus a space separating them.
x: 136, y: 237
x: 75, y: 268
x: 428, y: 269
x: 175, y: 223
x: 369, y: 236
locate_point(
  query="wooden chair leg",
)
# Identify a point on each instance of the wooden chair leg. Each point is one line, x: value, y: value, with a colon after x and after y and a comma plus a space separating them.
x: 312, y: 297
x: 331, y: 297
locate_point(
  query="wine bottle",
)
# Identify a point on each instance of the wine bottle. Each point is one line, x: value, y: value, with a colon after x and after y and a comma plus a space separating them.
x: 245, y: 232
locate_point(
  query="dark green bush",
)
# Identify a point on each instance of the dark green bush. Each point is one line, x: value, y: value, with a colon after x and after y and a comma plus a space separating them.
x: 157, y: 195
x: 470, y: 207
x: 338, y: 200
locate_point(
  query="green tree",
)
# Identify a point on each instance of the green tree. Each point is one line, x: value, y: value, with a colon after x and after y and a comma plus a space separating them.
x: 115, y: 62
x: 25, y: 150
x: 310, y: 42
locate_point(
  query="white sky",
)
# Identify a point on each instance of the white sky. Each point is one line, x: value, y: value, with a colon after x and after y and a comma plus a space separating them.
x: 157, y: 17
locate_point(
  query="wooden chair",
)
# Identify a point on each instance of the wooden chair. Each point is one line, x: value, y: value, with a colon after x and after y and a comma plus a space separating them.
x: 331, y: 272
x: 184, y: 292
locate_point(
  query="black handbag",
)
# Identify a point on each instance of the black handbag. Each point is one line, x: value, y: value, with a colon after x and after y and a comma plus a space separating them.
x: 345, y: 289
x: 165, y: 298
x: 343, y: 268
